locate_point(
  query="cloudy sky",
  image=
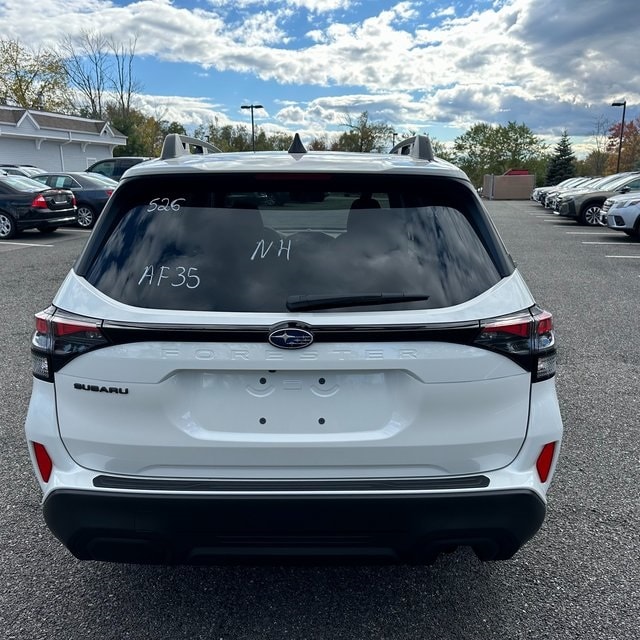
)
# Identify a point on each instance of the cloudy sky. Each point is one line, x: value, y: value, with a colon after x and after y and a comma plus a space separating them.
x: 419, y: 65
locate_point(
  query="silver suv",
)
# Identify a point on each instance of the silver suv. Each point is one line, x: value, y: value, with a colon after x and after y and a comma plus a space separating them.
x: 285, y: 354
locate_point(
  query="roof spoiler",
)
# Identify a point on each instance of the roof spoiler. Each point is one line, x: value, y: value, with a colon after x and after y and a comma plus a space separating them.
x: 418, y: 147
x: 176, y: 145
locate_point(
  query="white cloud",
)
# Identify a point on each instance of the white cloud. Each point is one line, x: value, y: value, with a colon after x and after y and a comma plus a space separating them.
x: 552, y: 64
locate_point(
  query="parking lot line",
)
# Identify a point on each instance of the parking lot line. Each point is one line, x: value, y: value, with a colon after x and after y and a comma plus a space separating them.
x: 627, y: 257
x: 594, y: 232
x: 616, y: 244
x: 27, y: 244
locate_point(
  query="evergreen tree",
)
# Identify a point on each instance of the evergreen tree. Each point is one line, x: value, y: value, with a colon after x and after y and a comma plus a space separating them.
x: 562, y: 164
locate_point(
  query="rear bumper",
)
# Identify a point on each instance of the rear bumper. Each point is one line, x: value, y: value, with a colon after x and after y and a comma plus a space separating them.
x: 202, y: 529
x: 47, y: 220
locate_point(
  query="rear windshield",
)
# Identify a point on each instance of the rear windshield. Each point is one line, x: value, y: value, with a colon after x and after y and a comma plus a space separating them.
x: 262, y: 243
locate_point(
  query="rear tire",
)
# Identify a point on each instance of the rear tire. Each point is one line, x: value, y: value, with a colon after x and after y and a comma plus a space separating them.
x: 86, y: 217
x: 8, y: 227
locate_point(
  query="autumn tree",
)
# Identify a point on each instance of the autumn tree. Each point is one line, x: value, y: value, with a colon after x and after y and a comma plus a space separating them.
x: 630, y: 149
x: 32, y: 79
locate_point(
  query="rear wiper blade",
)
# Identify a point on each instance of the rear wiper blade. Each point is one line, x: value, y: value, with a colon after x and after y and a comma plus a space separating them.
x: 331, y: 301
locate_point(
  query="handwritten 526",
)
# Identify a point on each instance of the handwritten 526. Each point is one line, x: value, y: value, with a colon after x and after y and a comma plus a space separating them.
x: 164, y: 204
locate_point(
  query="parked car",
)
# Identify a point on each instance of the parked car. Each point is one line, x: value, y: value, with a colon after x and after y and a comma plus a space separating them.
x: 539, y: 193
x: 91, y: 191
x: 623, y: 213
x: 115, y: 167
x: 585, y: 205
x: 28, y: 204
x: 550, y: 198
x: 27, y: 170
x: 362, y: 374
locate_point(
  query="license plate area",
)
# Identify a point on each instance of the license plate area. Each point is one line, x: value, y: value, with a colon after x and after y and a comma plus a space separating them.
x: 285, y: 405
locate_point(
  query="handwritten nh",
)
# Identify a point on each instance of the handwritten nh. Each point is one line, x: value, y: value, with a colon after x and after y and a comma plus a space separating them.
x: 262, y: 250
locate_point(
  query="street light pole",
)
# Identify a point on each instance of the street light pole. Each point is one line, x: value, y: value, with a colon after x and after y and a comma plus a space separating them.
x: 623, y: 104
x: 253, y: 130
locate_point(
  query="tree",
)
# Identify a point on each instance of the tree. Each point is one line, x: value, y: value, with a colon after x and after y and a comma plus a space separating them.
x: 226, y: 137
x: 596, y: 161
x: 238, y: 137
x: 493, y: 149
x: 562, y: 164
x: 363, y: 135
x: 319, y: 144
x: 630, y: 152
x: 440, y: 150
x: 32, y: 79
x: 141, y: 131
x: 123, y: 82
x: 100, y: 71
x: 86, y: 66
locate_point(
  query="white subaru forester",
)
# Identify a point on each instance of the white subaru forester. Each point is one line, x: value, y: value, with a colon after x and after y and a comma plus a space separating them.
x: 285, y: 354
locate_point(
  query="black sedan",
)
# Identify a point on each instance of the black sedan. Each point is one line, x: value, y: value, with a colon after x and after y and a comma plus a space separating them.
x: 91, y: 192
x: 27, y: 204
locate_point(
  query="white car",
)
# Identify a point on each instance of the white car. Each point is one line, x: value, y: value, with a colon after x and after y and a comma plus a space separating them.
x: 623, y: 213
x: 351, y: 366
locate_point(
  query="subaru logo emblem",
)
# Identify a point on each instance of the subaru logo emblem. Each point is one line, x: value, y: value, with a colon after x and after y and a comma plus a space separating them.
x: 290, y: 338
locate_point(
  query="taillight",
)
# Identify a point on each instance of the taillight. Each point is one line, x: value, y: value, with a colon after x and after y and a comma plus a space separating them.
x: 59, y: 337
x: 73, y: 200
x: 527, y: 337
x: 39, y: 202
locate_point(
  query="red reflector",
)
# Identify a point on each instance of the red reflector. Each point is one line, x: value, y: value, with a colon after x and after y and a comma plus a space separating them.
x: 45, y: 465
x: 543, y: 464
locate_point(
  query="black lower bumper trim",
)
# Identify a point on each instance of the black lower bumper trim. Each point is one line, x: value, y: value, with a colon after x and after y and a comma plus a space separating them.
x: 203, y: 529
x: 263, y: 486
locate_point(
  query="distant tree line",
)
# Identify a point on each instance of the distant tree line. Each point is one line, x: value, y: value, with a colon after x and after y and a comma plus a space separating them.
x: 93, y: 76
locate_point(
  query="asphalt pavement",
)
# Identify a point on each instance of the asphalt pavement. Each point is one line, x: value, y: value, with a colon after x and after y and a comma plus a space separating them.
x: 579, y: 578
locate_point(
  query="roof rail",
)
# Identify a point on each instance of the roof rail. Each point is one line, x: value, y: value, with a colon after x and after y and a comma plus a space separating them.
x: 418, y: 147
x: 176, y: 145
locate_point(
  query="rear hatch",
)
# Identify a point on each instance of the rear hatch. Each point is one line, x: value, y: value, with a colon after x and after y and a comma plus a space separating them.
x: 245, y: 409
x: 245, y: 329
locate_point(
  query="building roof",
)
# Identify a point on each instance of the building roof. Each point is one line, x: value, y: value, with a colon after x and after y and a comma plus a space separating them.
x: 56, y: 122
